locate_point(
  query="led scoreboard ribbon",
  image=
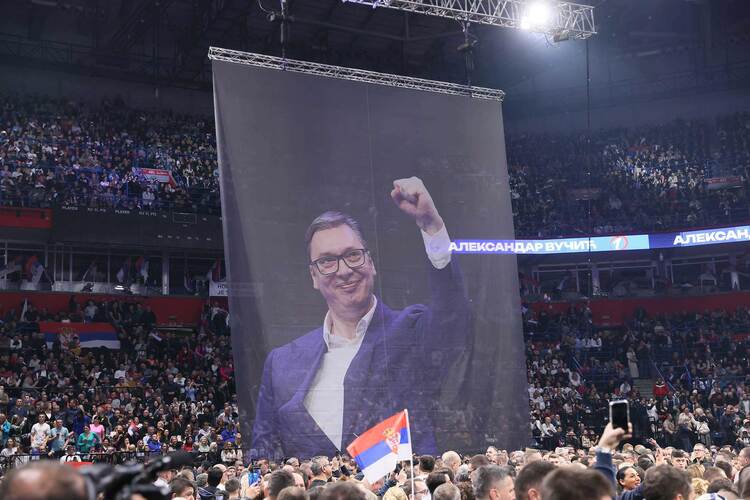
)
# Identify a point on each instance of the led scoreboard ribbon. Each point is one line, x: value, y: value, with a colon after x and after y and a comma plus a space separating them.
x: 604, y: 243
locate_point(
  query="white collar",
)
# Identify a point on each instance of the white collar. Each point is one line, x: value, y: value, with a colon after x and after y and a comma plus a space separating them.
x: 333, y: 341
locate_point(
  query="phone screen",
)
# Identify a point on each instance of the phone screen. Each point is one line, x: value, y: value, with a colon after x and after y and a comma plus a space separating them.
x: 618, y: 414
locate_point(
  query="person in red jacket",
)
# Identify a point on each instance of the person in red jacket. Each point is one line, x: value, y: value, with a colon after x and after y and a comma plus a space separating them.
x: 661, y: 390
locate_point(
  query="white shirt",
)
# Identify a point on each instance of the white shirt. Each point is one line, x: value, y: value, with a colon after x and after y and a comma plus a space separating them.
x: 325, y: 398
x: 39, y: 434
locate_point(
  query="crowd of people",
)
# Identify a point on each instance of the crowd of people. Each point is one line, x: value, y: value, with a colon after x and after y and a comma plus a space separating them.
x: 57, y: 152
x: 606, y: 470
x: 699, y: 362
x: 165, y: 391
x: 160, y: 391
x: 621, y: 180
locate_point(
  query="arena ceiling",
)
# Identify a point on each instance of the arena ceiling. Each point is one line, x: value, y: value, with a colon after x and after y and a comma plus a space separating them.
x: 166, y: 41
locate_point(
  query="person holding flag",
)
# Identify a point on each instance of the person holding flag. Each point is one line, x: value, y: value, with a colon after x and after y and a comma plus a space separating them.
x: 367, y: 361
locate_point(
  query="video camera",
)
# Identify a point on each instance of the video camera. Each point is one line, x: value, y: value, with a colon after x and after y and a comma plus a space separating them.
x: 121, y: 482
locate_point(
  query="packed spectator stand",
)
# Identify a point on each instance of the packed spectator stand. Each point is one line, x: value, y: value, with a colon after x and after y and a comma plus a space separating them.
x: 164, y: 391
x: 57, y: 152
x: 160, y: 391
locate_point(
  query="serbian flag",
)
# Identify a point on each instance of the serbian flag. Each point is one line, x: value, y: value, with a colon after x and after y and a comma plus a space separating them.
x: 85, y: 335
x: 379, y: 449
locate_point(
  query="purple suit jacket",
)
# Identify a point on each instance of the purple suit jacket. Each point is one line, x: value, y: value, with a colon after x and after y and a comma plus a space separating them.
x: 400, y: 364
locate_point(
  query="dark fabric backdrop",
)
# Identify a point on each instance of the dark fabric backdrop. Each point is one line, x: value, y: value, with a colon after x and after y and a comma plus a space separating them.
x: 292, y: 146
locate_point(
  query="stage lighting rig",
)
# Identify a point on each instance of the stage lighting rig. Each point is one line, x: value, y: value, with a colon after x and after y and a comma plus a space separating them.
x: 538, y: 16
x: 561, y: 20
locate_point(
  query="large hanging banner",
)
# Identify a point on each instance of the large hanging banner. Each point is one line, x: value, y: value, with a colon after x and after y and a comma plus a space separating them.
x: 339, y: 198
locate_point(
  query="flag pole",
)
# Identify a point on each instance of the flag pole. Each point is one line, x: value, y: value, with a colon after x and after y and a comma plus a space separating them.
x: 411, y: 455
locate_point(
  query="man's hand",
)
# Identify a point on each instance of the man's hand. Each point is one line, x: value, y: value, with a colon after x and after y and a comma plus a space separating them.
x: 411, y: 196
x: 659, y: 456
x: 401, y: 477
x: 253, y: 491
x: 611, y: 437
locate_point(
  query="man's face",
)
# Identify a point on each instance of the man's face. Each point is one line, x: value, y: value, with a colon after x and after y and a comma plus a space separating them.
x: 679, y: 463
x: 503, y: 490
x: 188, y: 493
x: 347, y: 290
x: 326, y: 465
x: 299, y: 480
x: 420, y: 490
x: 491, y: 455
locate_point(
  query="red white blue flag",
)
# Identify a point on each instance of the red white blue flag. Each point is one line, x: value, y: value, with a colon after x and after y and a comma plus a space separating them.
x: 378, y: 450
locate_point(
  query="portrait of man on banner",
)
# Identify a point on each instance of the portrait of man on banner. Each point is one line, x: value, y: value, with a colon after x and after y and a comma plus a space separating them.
x: 366, y: 361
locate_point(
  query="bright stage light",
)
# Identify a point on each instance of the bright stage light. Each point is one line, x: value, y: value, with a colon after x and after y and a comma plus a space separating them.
x: 537, y: 16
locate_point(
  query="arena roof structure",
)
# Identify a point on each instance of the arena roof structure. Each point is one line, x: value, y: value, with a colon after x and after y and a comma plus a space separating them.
x: 166, y: 41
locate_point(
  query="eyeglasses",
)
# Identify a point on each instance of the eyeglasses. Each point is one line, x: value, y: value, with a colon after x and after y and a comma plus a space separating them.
x: 330, y: 263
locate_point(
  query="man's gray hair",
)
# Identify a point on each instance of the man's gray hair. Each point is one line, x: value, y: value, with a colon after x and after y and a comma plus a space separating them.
x: 446, y: 491
x: 451, y: 457
x: 316, y: 468
x: 486, y: 477
x: 329, y: 220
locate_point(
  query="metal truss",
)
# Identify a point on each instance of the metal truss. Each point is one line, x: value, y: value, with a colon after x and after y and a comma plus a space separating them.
x: 569, y: 20
x: 356, y: 75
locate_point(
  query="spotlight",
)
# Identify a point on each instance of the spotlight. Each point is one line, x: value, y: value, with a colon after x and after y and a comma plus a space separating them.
x: 538, y: 16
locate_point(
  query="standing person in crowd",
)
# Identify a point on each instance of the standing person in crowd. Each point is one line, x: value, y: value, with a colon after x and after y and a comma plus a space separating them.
x: 663, y: 482
x: 87, y: 441
x: 492, y: 482
x: 39, y: 435
x: 59, y: 437
x: 528, y: 483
